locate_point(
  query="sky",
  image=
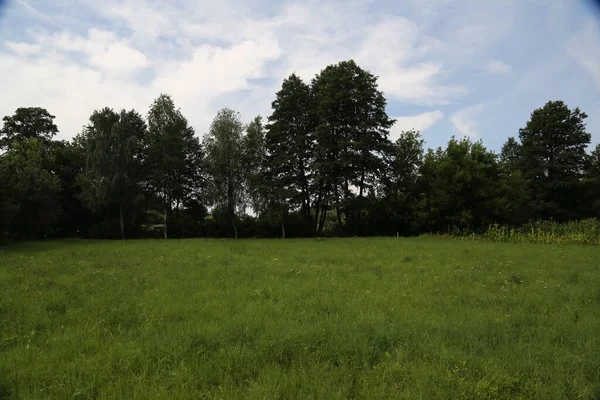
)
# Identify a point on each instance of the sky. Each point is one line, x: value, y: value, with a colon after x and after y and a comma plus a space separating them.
x: 447, y: 67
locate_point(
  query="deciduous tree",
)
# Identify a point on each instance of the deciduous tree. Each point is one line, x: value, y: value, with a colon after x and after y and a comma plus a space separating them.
x: 553, y: 157
x: 174, y: 156
x: 290, y: 143
x: 226, y: 171
x: 112, y: 142
x: 29, y: 194
x: 352, y: 130
x: 27, y: 123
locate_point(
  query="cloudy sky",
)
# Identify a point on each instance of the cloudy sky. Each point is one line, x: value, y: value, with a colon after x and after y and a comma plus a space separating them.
x: 448, y: 67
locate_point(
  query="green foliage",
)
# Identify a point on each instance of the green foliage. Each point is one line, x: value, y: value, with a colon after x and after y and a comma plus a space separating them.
x: 27, y: 123
x: 29, y: 194
x: 290, y: 144
x: 322, y: 165
x: 114, y: 160
x: 225, y: 165
x: 351, y: 133
x: 511, y: 154
x: 402, y: 194
x: 462, y: 186
x: 255, y: 162
x: 553, y: 158
x: 68, y: 162
x: 593, y: 169
x: 370, y: 318
x: 173, y: 161
x: 548, y: 232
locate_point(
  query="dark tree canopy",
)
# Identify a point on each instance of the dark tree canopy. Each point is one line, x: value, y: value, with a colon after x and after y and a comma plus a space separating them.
x: 461, y: 186
x: 29, y: 194
x: 290, y: 142
x: 173, y: 158
x: 594, y: 163
x: 510, y: 154
x: 351, y: 128
x: 27, y: 123
x: 113, y: 145
x: 553, y: 156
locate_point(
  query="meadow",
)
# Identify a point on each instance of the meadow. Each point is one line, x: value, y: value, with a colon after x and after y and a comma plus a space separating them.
x: 369, y: 318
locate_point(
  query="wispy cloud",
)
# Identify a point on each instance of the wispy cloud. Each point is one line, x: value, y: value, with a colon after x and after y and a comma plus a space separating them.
x: 429, y: 56
x: 420, y: 122
x: 464, y: 123
x: 222, y: 56
x: 22, y: 48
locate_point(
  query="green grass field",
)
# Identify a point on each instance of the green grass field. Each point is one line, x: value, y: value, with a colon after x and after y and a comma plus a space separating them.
x: 373, y: 318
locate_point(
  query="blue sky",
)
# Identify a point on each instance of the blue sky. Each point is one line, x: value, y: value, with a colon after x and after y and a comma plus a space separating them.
x: 448, y: 67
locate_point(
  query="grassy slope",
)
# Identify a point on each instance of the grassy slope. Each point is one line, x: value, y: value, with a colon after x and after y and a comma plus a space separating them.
x: 337, y: 318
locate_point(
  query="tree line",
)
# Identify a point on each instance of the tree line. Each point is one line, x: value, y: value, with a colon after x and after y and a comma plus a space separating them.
x: 321, y: 164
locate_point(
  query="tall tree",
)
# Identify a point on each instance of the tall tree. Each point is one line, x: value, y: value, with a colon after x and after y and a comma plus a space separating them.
x: 225, y: 165
x: 174, y: 156
x: 68, y: 162
x: 254, y: 159
x: 29, y: 192
x: 352, y: 135
x: 112, y: 142
x: 26, y: 123
x: 553, y: 157
x: 406, y: 160
x: 290, y: 146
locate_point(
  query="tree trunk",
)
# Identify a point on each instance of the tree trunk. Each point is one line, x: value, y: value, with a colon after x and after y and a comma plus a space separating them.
x: 235, y: 230
x: 318, y: 206
x: 362, y: 183
x: 282, y: 228
x: 316, y: 223
x: 322, y: 219
x: 339, y: 215
x: 121, y: 220
x: 165, y: 221
x: 305, y: 190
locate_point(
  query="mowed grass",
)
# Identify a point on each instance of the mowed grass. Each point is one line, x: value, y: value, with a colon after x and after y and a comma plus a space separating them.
x: 376, y: 318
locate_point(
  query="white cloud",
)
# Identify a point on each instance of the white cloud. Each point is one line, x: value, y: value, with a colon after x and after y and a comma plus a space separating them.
x: 499, y: 67
x: 22, y: 48
x: 103, y: 49
x: 420, y: 122
x: 464, y: 123
x: 226, y: 54
x: 398, y: 52
x: 144, y: 18
x: 72, y: 91
x: 119, y: 58
x: 69, y: 91
x: 197, y: 83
